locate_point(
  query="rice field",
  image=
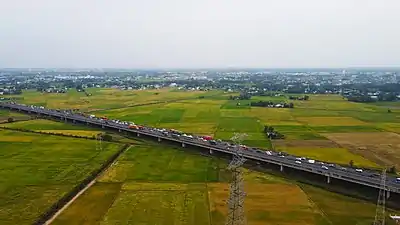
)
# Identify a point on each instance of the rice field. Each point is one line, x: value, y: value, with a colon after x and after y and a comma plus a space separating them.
x: 105, y: 98
x: 5, y: 114
x: 381, y: 147
x: 52, y: 127
x: 219, y: 117
x: 158, y: 184
x: 37, y: 170
x: 164, y: 185
x: 41, y: 124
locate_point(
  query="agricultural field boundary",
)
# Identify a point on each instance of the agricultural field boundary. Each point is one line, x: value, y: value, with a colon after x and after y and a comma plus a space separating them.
x: 145, y: 104
x: 16, y: 119
x: 316, y: 206
x: 50, y: 133
x: 62, y: 203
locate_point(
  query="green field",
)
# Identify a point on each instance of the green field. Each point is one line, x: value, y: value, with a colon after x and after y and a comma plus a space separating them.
x: 164, y: 185
x: 215, y: 115
x: 41, y: 124
x: 154, y: 184
x: 5, y: 114
x: 37, y: 170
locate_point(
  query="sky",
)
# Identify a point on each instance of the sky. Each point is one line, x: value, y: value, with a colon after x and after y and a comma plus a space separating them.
x: 199, y: 33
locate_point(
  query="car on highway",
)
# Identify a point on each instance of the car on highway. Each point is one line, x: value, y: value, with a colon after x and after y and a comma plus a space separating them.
x: 359, y: 170
x: 324, y: 167
x: 298, y: 162
x: 374, y: 175
x: 398, y: 180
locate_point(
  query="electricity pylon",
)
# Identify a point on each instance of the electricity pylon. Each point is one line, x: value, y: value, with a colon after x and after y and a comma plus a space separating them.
x: 236, y: 214
x: 381, y: 204
x: 99, y: 143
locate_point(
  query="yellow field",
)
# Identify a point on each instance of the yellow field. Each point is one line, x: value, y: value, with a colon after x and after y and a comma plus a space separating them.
x: 84, y: 133
x: 105, y: 98
x: 305, y: 143
x: 215, y: 115
x: 195, y: 128
x: 392, y: 127
x: 334, y: 155
x: 265, y: 204
x: 330, y: 121
x: 273, y: 116
x: 381, y: 147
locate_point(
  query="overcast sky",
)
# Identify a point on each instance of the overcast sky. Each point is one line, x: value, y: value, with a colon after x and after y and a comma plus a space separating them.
x: 199, y: 33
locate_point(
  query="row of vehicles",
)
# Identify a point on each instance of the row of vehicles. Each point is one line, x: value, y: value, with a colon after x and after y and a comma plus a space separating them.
x: 208, y: 140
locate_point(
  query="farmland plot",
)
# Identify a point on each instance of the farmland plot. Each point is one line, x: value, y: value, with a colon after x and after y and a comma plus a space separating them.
x: 37, y: 170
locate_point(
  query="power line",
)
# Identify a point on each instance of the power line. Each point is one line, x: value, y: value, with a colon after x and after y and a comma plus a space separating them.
x: 237, y: 195
x: 380, y: 213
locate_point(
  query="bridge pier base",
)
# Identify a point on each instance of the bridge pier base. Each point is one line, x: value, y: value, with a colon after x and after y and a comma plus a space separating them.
x: 73, y: 121
x: 328, y: 179
x: 119, y: 130
x: 137, y: 134
x: 183, y: 145
x: 211, y: 151
x: 102, y: 126
x: 281, y: 169
x: 159, y: 139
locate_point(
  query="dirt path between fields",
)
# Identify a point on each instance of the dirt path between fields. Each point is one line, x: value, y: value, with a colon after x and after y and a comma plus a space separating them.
x: 53, y: 216
x: 69, y: 203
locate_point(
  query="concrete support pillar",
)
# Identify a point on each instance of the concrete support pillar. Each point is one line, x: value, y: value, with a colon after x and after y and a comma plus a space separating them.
x: 137, y: 134
x: 159, y: 139
x: 387, y: 194
x: 328, y: 180
x: 183, y: 145
x: 211, y: 151
x: 102, y: 126
x: 73, y: 121
x: 281, y: 168
x: 119, y: 130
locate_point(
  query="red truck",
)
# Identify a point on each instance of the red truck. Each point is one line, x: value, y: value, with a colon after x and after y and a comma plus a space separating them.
x: 208, y: 138
x: 133, y: 127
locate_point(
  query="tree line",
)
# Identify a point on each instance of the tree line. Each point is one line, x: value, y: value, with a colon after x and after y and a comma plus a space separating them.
x: 272, y: 104
x: 271, y: 133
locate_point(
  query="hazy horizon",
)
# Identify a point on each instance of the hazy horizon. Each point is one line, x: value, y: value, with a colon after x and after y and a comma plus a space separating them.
x: 199, y: 34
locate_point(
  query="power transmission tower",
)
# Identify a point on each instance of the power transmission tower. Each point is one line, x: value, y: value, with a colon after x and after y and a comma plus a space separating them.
x: 381, y: 204
x: 236, y: 195
x: 99, y: 143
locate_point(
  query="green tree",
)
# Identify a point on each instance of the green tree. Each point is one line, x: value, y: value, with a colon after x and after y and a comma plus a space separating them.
x: 107, y: 137
x: 351, y: 163
x: 392, y: 170
x: 10, y: 119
